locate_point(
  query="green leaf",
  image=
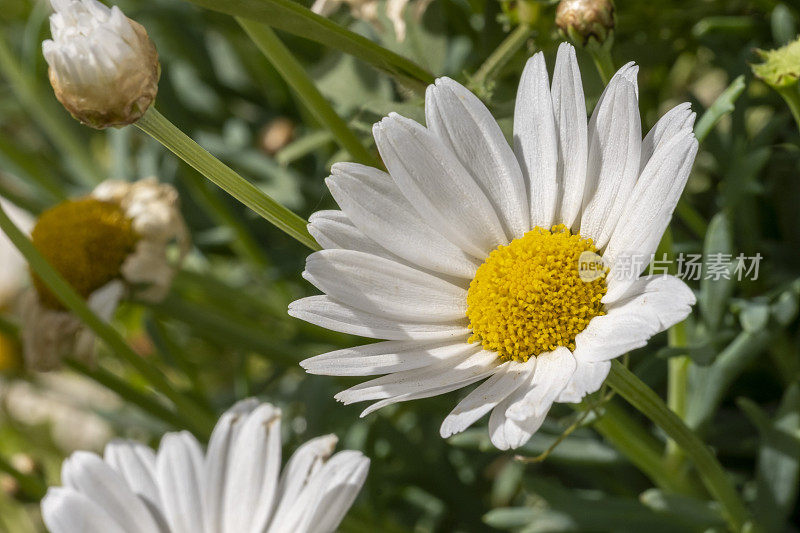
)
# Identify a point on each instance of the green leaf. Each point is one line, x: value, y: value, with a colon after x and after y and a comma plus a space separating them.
x: 293, y: 18
x: 754, y: 317
x: 723, y: 105
x: 697, y: 513
x: 709, y: 384
x: 784, y: 310
x: 778, y: 468
x: 716, y: 286
x: 783, y: 25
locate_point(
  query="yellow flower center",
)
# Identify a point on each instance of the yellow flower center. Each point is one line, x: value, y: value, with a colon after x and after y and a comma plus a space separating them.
x: 86, y: 240
x: 533, y: 295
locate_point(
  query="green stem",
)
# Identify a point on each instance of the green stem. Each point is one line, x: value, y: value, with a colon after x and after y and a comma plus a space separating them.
x: 293, y: 73
x: 677, y: 383
x: 243, y: 243
x: 501, y: 56
x: 792, y: 97
x: 292, y: 17
x: 157, y: 126
x: 640, y: 447
x: 31, y: 486
x: 716, y: 480
x: 50, y: 119
x: 74, y: 303
x: 138, y: 398
x: 602, y: 60
x: 692, y: 218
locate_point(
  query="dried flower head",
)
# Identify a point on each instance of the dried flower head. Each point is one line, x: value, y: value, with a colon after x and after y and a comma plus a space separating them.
x: 103, y: 67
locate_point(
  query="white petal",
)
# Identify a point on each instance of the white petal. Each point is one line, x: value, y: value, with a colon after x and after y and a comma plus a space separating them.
x: 253, y: 468
x: 535, y: 141
x: 474, y: 361
x: 506, y: 379
x: 88, y: 474
x: 67, y: 511
x: 615, y: 142
x: 652, y: 304
x: 385, y: 288
x: 376, y: 206
x: 468, y: 129
x: 136, y: 464
x: 676, y: 119
x: 218, y: 459
x: 179, y: 470
x: 438, y: 186
x: 383, y: 357
x: 303, y: 464
x: 327, y: 496
x: 333, y: 230
x: 649, y: 208
x: 331, y: 314
x: 344, y: 482
x: 588, y: 378
x: 506, y: 433
x: 553, y: 372
x: 569, y: 110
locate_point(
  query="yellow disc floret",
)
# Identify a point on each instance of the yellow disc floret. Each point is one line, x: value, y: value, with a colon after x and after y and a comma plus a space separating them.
x: 86, y: 240
x: 529, y: 297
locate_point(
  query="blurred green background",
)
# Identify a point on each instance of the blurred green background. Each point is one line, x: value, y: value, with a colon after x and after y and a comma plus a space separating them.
x: 223, y: 333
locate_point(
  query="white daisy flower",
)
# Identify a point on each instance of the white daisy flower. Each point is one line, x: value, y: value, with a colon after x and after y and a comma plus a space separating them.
x: 103, y: 67
x: 14, y: 273
x: 464, y: 257
x: 234, y: 488
x: 112, y: 243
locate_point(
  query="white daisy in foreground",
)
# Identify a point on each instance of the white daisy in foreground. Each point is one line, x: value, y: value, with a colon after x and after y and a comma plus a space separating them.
x: 234, y: 488
x: 103, y: 67
x: 465, y: 257
x: 112, y: 243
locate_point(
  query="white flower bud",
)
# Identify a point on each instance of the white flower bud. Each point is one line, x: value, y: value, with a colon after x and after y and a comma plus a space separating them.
x: 103, y: 67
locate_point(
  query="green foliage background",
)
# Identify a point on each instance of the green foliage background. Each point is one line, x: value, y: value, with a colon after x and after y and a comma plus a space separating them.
x: 223, y: 333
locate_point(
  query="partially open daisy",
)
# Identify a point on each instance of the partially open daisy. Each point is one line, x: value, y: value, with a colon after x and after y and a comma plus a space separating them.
x: 235, y: 487
x: 112, y: 243
x: 465, y: 257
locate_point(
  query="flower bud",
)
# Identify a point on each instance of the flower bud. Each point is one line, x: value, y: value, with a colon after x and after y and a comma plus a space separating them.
x: 781, y: 67
x: 103, y: 67
x: 584, y: 20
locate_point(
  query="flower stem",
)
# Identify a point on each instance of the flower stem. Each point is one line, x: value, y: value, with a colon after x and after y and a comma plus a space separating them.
x: 642, y: 397
x: 792, y: 97
x: 677, y: 381
x: 293, y: 73
x: 202, y: 422
x: 244, y: 243
x: 138, y: 398
x: 292, y: 17
x: 500, y: 57
x: 640, y: 447
x: 157, y: 126
x: 602, y: 60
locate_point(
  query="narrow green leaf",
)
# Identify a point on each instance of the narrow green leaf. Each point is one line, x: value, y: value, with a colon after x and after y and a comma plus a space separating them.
x: 717, y: 281
x: 293, y: 18
x: 697, y: 513
x: 723, y: 105
x: 778, y: 470
x: 709, y: 384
